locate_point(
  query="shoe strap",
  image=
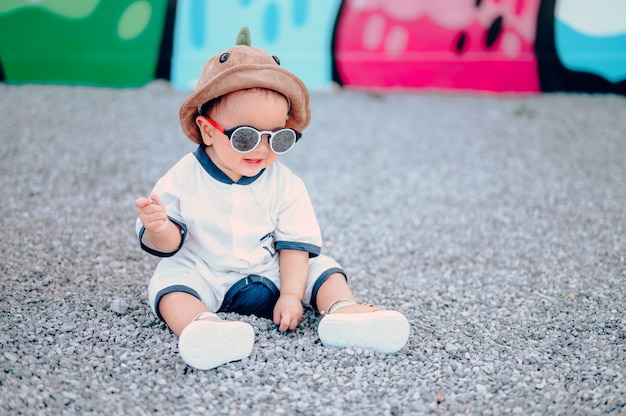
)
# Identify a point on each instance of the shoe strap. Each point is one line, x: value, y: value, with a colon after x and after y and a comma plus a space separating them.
x: 336, y: 305
x: 204, y: 315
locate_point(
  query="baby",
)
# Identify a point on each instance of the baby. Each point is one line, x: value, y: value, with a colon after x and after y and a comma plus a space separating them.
x: 236, y: 228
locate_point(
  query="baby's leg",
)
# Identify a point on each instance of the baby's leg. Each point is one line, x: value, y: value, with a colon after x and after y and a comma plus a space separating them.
x: 348, y: 324
x: 205, y: 340
x: 333, y: 289
x: 179, y: 308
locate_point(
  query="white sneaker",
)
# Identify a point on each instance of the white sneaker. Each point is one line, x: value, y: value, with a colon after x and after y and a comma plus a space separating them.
x: 207, y: 343
x: 380, y: 330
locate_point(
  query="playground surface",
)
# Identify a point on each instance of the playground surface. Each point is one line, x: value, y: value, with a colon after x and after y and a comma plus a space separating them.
x: 497, y: 224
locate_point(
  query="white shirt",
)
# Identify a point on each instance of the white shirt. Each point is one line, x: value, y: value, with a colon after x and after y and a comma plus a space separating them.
x: 236, y: 227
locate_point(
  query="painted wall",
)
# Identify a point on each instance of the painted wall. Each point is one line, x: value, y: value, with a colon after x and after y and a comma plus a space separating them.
x: 468, y: 45
x: 520, y: 46
x: 299, y: 32
x: 112, y: 42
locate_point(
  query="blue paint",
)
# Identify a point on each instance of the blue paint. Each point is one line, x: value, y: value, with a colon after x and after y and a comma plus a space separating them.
x: 300, y: 12
x: 297, y: 31
x: 197, y: 24
x: 600, y: 55
x: 271, y: 23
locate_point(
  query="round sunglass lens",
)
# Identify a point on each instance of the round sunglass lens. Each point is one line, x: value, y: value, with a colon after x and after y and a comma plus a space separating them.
x: 244, y: 139
x: 283, y: 140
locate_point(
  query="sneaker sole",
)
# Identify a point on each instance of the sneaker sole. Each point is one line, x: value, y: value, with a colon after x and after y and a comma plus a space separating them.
x: 208, y: 344
x: 380, y: 331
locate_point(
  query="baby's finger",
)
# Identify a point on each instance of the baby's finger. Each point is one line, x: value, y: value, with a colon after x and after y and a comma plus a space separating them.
x: 294, y: 323
x: 285, y: 322
x: 142, y: 202
x: 154, y: 199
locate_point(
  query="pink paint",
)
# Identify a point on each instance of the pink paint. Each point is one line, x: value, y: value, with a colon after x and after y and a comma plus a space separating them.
x: 440, y: 44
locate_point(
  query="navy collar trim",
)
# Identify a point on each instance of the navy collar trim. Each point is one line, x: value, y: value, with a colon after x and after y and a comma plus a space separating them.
x: 217, y: 174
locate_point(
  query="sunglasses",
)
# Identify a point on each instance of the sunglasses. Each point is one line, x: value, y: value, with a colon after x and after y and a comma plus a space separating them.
x: 245, y: 139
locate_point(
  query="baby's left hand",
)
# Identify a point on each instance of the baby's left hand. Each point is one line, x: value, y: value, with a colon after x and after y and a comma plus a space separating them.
x: 288, y: 312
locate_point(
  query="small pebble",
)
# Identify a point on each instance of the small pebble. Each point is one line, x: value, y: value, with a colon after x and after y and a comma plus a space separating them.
x: 119, y: 305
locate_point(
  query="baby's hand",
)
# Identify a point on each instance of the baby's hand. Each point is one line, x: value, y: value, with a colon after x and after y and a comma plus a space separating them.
x: 152, y: 213
x: 288, y: 312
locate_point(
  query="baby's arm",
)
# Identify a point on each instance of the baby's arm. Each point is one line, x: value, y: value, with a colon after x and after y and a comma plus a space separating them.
x: 162, y: 233
x: 294, y: 268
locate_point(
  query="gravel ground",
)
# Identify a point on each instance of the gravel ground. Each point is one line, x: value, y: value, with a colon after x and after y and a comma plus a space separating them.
x: 496, y: 224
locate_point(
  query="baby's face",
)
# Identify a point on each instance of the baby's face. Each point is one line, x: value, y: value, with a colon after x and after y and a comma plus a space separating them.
x: 263, y: 110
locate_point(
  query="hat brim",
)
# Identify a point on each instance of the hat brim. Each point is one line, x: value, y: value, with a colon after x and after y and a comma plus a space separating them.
x: 243, y: 77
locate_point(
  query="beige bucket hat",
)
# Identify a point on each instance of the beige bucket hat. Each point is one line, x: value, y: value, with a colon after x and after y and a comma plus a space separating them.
x: 239, y: 68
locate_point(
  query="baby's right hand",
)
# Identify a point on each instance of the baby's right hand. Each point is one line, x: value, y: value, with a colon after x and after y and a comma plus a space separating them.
x: 152, y: 213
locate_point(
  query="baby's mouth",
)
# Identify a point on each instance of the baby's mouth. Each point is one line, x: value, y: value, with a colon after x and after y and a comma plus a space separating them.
x: 253, y: 161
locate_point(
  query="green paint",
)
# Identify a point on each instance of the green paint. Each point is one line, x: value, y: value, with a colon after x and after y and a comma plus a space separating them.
x: 114, y: 45
x: 72, y: 9
x: 134, y: 20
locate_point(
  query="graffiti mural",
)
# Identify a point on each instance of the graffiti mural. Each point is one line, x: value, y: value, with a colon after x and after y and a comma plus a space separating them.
x: 299, y: 32
x: 112, y: 42
x: 581, y: 46
x: 450, y: 44
x: 518, y: 46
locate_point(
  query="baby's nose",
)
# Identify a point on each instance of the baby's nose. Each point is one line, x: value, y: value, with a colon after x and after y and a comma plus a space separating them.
x: 265, y: 142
